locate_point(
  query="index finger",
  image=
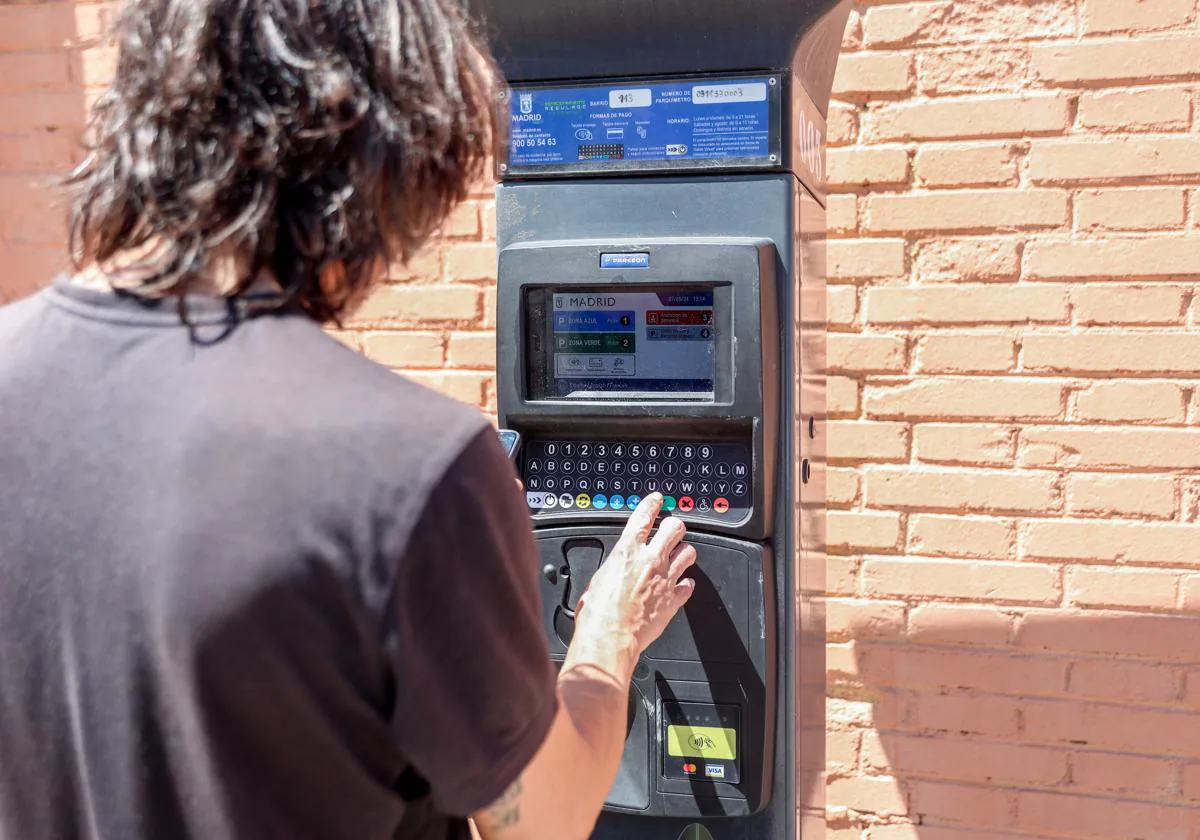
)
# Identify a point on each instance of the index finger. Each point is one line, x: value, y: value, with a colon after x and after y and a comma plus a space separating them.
x: 641, y: 521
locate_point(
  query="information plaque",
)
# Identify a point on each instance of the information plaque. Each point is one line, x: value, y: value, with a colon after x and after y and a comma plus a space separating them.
x: 730, y: 122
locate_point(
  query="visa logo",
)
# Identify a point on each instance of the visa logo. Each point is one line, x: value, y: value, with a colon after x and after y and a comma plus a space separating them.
x: 714, y: 771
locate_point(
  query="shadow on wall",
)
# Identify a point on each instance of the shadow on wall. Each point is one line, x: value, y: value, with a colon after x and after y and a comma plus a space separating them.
x: 51, y: 60
x: 999, y: 724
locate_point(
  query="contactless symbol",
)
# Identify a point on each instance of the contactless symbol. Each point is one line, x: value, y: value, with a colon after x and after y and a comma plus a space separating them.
x: 703, y: 743
x: 566, y: 501
x: 721, y: 506
x: 686, y: 504
x: 617, y: 502
x: 583, y: 501
x: 600, y: 502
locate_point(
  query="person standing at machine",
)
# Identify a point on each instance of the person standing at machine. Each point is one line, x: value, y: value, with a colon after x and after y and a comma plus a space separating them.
x: 251, y: 584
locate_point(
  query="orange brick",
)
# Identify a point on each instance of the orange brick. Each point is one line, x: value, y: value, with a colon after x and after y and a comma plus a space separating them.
x: 463, y: 222
x: 1105, y: 678
x: 1132, y: 402
x: 958, y: 444
x: 1140, y: 305
x: 1122, y: 495
x: 841, y: 486
x: 967, y: 210
x: 985, y: 259
x: 468, y: 388
x: 966, y: 165
x: 945, y: 397
x: 962, y: 490
x: 862, y: 167
x: 1101, y: 16
x: 858, y: 441
x: 95, y: 67
x: 963, y: 304
x: 1092, y: 818
x: 873, y: 74
x: 1014, y: 583
x: 842, y: 124
x: 1117, y: 60
x: 841, y: 750
x: 966, y: 353
x: 842, y: 214
x: 426, y: 264
x: 36, y: 27
x: 962, y: 536
x: 420, y: 304
x: 407, y: 350
x: 1102, y: 586
x: 1096, y: 352
x: 1120, y: 773
x: 970, y: 714
x: 911, y: 667
x: 856, y: 619
x: 855, y: 530
x: 1114, y: 160
x: 1119, y: 727
x: 960, y: 625
x: 25, y: 111
x: 976, y: 761
x: 841, y: 575
x: 964, y: 118
x: 1148, y: 208
x: 29, y: 71
x: 472, y: 350
x: 35, y: 153
x: 1148, y: 109
x: 902, y: 24
x: 841, y: 305
x: 1189, y: 597
x: 972, y: 70
x: 30, y: 267
x: 1161, y: 638
x: 1130, y: 542
x: 977, y: 807
x: 44, y: 226
x: 1110, y: 448
x: 489, y: 309
x: 487, y: 214
x: 858, y: 259
x: 842, y: 395
x: 866, y: 353
x: 874, y: 794
x: 469, y: 262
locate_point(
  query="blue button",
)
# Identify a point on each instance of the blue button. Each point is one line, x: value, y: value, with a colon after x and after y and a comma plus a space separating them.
x: 633, y: 501
x: 599, y: 502
x: 624, y: 260
x: 616, y: 502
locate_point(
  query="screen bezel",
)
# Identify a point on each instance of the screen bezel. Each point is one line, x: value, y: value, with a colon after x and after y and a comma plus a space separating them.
x: 540, y: 380
x: 773, y: 160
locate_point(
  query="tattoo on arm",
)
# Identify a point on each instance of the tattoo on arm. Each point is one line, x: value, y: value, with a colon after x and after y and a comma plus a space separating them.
x: 505, y: 812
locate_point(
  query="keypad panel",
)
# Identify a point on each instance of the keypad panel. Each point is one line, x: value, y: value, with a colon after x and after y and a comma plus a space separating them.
x: 709, y: 481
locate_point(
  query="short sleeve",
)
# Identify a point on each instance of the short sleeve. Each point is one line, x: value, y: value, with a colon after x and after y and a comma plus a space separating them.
x: 475, y: 687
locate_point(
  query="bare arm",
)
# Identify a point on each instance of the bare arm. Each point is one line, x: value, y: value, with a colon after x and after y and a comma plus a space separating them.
x: 631, y: 599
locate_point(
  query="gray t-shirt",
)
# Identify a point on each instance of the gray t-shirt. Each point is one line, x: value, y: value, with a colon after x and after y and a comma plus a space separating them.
x: 252, y: 585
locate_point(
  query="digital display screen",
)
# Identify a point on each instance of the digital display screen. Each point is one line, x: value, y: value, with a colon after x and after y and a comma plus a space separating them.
x: 729, y: 120
x: 653, y: 341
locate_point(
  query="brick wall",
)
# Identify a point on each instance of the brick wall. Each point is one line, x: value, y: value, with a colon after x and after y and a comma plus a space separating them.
x: 1015, y: 561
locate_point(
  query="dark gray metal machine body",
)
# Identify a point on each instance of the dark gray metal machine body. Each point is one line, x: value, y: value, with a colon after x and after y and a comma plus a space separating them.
x: 726, y: 716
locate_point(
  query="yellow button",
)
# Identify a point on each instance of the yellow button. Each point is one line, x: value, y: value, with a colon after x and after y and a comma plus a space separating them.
x: 702, y: 742
x: 583, y: 501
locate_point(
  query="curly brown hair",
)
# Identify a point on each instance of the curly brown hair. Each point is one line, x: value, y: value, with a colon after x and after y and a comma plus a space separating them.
x: 319, y: 140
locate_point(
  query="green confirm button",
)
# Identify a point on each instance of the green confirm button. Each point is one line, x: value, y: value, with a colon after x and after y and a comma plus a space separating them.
x: 669, y: 503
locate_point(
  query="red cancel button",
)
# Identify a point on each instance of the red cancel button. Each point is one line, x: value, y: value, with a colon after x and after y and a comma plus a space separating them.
x: 721, y: 506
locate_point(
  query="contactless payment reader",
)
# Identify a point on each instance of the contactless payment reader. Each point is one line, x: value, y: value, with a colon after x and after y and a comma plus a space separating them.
x: 660, y: 311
